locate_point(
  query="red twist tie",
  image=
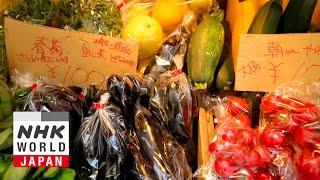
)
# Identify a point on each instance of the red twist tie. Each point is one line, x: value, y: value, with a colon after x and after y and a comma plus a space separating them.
x: 97, y: 105
x: 176, y: 72
x: 82, y: 97
x: 34, y: 86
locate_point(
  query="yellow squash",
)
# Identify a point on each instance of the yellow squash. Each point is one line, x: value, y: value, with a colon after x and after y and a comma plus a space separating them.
x: 316, y: 15
x: 240, y: 16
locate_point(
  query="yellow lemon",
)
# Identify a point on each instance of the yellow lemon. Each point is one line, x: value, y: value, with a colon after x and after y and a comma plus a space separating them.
x: 169, y: 13
x: 147, y: 31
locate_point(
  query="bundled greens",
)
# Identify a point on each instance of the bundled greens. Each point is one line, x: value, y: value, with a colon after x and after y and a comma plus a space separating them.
x: 93, y: 16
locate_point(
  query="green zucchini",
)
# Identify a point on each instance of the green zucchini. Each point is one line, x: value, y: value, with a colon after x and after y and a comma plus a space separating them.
x: 297, y: 16
x: 205, y: 50
x: 267, y: 18
x: 225, y: 76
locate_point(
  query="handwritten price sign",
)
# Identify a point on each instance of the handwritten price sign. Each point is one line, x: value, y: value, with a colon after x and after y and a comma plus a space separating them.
x: 72, y: 58
x: 264, y: 61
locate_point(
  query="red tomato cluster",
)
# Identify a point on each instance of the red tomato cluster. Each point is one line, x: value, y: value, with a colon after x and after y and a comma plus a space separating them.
x: 295, y: 123
x: 287, y: 137
x: 237, y: 150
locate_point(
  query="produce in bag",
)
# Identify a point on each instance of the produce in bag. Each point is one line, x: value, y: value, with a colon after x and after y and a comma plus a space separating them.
x: 102, y: 143
x: 290, y: 119
x: 87, y: 96
x: 166, y: 156
x: 45, y: 95
x: 172, y: 105
x: 235, y: 148
x: 172, y: 53
x: 156, y: 153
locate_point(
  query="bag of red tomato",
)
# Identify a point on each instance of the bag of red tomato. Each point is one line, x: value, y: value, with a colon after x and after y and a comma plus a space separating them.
x: 290, y: 120
x: 285, y: 145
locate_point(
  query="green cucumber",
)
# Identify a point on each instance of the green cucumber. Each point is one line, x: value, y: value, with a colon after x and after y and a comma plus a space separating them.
x: 225, y: 75
x: 205, y: 50
x: 297, y: 16
x: 267, y: 18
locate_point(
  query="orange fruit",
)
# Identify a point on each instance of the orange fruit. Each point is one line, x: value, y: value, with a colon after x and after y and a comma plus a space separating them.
x: 169, y: 13
x: 147, y: 31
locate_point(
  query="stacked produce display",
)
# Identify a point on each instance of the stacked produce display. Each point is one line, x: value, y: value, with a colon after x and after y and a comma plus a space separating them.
x: 145, y: 125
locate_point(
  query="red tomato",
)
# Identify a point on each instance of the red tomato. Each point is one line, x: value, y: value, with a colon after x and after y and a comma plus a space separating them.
x: 305, y: 138
x: 253, y: 159
x: 265, y: 156
x: 242, y: 120
x: 271, y: 104
x: 272, y: 138
x: 223, y: 149
x: 237, y: 105
x: 238, y: 157
x: 247, y: 137
x: 283, y: 121
x: 230, y: 134
x: 307, y: 116
x: 224, y: 167
x: 264, y: 175
x: 308, y: 165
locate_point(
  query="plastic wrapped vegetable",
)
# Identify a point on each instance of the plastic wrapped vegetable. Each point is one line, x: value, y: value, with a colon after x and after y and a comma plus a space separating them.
x: 290, y: 119
x: 235, y: 148
x: 166, y: 156
x: 102, y: 143
x: 156, y: 153
x: 172, y: 105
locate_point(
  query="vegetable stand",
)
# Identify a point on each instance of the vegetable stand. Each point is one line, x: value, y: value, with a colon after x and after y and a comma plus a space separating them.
x: 164, y: 89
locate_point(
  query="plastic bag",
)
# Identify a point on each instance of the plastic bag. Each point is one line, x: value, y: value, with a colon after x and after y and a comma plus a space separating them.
x: 235, y: 148
x: 156, y: 154
x: 172, y: 105
x: 102, y: 142
x: 290, y: 120
x: 160, y: 148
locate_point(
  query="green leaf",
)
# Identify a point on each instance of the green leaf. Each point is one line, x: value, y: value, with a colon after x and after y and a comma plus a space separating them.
x: 16, y: 173
x: 6, y: 139
x: 51, y: 172
x: 66, y: 174
x: 37, y: 173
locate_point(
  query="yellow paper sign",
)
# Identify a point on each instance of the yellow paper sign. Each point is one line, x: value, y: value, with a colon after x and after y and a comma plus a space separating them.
x: 267, y: 60
x: 72, y: 58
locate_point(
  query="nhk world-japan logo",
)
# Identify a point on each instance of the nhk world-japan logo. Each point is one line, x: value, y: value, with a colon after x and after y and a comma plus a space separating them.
x: 41, y: 139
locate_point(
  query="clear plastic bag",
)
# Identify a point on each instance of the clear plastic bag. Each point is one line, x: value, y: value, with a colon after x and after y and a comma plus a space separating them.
x: 160, y: 148
x: 172, y: 105
x: 156, y: 153
x: 102, y: 142
x: 290, y: 120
